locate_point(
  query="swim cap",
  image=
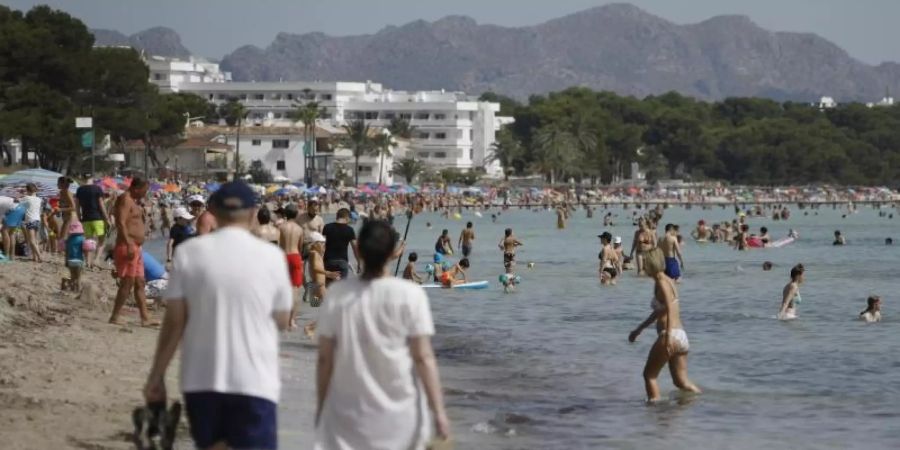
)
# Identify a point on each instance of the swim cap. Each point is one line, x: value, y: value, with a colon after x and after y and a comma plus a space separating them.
x: 445, y: 265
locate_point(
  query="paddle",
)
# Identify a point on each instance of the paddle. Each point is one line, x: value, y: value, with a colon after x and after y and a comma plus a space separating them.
x: 409, y: 216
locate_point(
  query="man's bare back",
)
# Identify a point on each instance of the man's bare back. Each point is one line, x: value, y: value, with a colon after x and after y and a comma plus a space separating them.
x: 291, y: 240
x: 206, y: 223
x: 509, y: 245
x: 669, y: 246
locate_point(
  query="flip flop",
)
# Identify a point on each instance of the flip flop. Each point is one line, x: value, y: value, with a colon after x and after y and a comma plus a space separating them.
x: 140, y: 420
x: 170, y: 427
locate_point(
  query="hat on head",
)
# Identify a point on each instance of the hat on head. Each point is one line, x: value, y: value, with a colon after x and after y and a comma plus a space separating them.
x: 605, y: 235
x: 617, y: 240
x: 233, y: 196
x: 182, y: 213
x: 196, y: 198
x: 316, y: 237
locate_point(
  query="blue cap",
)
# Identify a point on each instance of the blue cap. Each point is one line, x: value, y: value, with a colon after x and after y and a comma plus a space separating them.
x: 233, y: 196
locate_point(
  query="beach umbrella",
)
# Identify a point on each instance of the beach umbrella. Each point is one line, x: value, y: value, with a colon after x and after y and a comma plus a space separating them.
x: 156, y: 187
x: 282, y: 192
x: 172, y: 188
x: 365, y: 189
x: 45, y: 180
x: 280, y: 179
x: 291, y: 188
x: 212, y: 187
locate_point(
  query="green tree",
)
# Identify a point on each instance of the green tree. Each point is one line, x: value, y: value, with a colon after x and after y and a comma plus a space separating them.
x: 259, y: 173
x: 401, y: 128
x: 359, y: 140
x: 408, y: 168
x: 234, y: 112
x: 505, y: 150
x: 556, y: 155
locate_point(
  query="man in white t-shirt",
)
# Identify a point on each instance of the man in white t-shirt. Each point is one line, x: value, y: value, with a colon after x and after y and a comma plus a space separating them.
x: 227, y: 314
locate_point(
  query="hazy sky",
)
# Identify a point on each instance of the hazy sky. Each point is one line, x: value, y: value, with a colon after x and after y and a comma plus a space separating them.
x: 867, y: 29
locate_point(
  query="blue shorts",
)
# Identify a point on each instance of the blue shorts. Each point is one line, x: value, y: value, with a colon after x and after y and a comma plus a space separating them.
x: 75, y: 250
x: 673, y: 270
x: 438, y: 258
x: 241, y: 421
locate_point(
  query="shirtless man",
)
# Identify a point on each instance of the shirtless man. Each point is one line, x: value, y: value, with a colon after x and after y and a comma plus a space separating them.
x: 266, y: 230
x: 206, y: 221
x: 443, y: 247
x: 291, y: 242
x: 311, y: 221
x: 465, y: 240
x: 672, y: 252
x: 702, y: 233
x: 508, y: 244
x: 127, y: 254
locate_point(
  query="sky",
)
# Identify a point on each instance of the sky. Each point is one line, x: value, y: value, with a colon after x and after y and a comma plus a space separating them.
x: 868, y: 29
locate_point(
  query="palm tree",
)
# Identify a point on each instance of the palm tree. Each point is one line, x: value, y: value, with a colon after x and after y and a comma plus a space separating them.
x: 408, y: 168
x: 234, y: 113
x: 359, y: 141
x: 382, y: 145
x: 505, y: 150
x: 556, y: 150
x: 308, y: 113
x: 401, y: 128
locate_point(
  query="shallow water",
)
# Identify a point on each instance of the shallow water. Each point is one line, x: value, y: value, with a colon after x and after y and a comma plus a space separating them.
x: 550, y: 367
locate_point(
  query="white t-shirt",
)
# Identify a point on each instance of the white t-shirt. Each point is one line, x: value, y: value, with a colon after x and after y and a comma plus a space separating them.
x: 232, y: 283
x: 34, y: 208
x: 6, y: 204
x: 374, y: 399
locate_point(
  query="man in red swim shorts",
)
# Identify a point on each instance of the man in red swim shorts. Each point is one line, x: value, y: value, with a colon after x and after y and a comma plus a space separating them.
x: 127, y: 254
x: 291, y: 242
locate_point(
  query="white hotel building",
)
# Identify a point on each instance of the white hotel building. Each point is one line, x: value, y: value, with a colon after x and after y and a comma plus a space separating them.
x: 452, y: 129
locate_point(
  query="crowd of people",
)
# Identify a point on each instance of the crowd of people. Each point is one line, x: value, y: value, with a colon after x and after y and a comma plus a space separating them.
x: 241, y: 267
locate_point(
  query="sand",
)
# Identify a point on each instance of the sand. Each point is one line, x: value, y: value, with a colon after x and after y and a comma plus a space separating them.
x: 67, y: 378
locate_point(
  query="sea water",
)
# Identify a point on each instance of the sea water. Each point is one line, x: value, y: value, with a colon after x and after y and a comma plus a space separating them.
x: 550, y: 367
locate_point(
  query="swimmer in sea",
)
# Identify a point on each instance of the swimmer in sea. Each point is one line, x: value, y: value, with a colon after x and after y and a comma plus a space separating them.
x: 767, y: 266
x: 409, y: 273
x: 838, y: 238
x: 889, y: 241
x: 672, y: 345
x: 508, y: 245
x: 450, y: 278
x: 873, y: 310
x: 672, y: 251
x: 466, y: 238
x: 560, y: 217
x: 790, y: 295
x: 609, y: 265
x: 764, y: 236
x: 701, y: 233
x: 643, y: 241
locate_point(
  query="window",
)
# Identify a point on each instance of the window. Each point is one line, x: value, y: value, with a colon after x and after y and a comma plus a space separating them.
x: 211, y: 97
x: 259, y: 97
x: 390, y: 116
x: 223, y: 97
x: 423, y: 154
x: 158, y: 76
x: 471, y: 154
x: 256, y: 142
x: 423, y: 136
x: 365, y: 169
x: 440, y: 116
x: 278, y: 115
x: 280, y: 143
x: 406, y: 116
x: 290, y: 96
x: 471, y: 135
x: 279, y: 165
x: 440, y: 155
x: 421, y: 116
x: 440, y: 135
x: 243, y: 97
x: 326, y: 97
x: 371, y: 115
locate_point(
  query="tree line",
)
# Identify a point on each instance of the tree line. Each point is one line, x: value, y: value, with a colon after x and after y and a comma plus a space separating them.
x: 583, y: 134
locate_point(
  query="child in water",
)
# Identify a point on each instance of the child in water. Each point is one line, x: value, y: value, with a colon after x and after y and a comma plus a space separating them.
x: 450, y: 278
x: 409, y: 273
x: 873, y: 310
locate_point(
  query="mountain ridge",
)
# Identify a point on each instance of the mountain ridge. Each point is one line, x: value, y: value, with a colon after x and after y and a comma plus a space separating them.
x: 617, y: 47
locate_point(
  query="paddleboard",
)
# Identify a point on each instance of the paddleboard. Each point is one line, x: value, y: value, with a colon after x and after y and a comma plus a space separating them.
x: 473, y: 285
x: 781, y: 242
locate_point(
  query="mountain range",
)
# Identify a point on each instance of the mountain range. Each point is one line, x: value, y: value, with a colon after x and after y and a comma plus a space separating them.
x: 616, y: 47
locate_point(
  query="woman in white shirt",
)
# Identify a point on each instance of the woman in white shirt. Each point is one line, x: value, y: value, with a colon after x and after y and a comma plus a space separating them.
x: 372, y: 332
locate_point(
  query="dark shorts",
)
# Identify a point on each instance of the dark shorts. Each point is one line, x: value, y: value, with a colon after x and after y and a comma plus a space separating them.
x: 33, y: 225
x: 467, y: 250
x: 509, y: 259
x: 338, y: 265
x: 242, y: 421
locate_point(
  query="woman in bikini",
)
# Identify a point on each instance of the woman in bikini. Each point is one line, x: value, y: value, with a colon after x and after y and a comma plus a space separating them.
x: 790, y: 295
x: 672, y: 345
x: 644, y: 241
